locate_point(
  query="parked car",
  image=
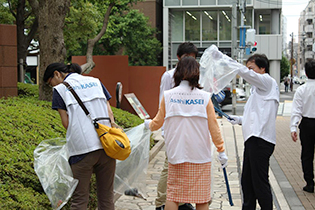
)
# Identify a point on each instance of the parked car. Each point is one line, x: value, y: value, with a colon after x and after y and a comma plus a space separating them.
x: 302, y: 79
x: 240, y: 95
x: 296, y: 80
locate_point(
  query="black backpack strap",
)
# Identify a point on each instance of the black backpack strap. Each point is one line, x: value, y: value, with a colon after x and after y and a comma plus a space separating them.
x: 83, y: 106
x: 76, y: 97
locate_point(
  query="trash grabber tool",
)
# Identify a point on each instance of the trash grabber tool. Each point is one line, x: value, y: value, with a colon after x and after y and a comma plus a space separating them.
x: 228, y: 187
x: 224, y: 114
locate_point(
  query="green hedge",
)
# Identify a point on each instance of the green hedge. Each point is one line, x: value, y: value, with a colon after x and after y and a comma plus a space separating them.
x: 25, y: 121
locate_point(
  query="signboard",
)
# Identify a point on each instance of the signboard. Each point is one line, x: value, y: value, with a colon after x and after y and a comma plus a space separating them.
x: 136, y: 105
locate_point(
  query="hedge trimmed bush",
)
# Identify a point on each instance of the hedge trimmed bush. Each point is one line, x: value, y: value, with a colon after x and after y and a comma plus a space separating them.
x: 25, y: 121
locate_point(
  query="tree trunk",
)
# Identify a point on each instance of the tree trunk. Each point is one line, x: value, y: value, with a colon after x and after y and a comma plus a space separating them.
x: 23, y: 41
x: 20, y: 26
x: 51, y: 19
x: 89, y: 65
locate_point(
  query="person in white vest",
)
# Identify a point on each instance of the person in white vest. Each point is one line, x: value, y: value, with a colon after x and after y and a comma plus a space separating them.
x: 167, y: 83
x: 85, y: 150
x: 189, y: 118
x: 259, y: 131
x: 303, y: 116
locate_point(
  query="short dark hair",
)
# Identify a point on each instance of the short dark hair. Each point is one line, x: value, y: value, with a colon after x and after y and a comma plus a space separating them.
x: 187, y: 69
x: 61, y: 67
x: 187, y: 48
x: 310, y: 69
x: 260, y: 60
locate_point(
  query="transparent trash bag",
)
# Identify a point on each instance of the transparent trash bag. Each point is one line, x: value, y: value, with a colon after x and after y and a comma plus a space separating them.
x: 54, y: 172
x: 131, y: 173
x: 216, y: 70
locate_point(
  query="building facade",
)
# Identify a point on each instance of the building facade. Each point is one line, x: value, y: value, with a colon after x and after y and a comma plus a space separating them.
x: 206, y: 22
x: 306, y: 36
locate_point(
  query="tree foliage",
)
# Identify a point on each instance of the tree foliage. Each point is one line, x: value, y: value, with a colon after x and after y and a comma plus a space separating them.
x: 133, y: 33
x: 5, y: 15
x: 129, y: 31
x: 284, y: 67
x: 81, y: 31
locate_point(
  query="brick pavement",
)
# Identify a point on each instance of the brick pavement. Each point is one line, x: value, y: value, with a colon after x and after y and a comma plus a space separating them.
x: 287, y: 153
x: 234, y: 149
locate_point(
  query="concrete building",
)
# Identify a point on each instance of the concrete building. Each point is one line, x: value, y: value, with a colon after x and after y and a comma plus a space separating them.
x: 284, y: 33
x: 206, y: 22
x: 306, y: 36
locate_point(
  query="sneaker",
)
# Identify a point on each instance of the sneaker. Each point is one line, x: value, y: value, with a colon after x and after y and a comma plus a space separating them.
x: 309, y: 188
x: 186, y: 206
x: 160, y: 208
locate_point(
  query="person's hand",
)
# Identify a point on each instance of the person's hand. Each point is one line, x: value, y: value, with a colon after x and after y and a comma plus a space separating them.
x: 223, y: 159
x: 146, y: 124
x: 235, y: 120
x: 294, y: 136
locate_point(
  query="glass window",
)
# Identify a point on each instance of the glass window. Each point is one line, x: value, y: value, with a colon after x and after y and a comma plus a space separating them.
x: 174, y: 50
x: 247, y: 18
x: 190, y: 2
x: 264, y: 23
x: 209, y: 25
x: 225, y: 25
x: 192, y: 25
x: 225, y: 2
x: 207, y: 2
x: 176, y: 18
x: 172, y: 2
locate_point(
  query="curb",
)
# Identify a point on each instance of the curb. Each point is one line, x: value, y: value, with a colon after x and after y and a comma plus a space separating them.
x: 157, y: 147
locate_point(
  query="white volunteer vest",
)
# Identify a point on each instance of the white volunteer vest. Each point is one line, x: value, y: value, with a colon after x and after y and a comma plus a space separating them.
x: 81, y: 135
x: 187, y: 137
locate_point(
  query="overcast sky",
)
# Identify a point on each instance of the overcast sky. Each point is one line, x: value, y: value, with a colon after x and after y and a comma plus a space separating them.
x: 292, y: 9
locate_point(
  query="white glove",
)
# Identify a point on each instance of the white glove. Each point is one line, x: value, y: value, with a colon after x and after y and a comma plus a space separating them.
x: 235, y: 120
x: 223, y: 159
x: 146, y: 124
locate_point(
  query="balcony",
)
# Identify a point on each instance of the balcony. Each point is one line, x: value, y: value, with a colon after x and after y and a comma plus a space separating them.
x: 309, y: 28
x: 309, y: 16
x: 309, y: 54
x: 308, y: 41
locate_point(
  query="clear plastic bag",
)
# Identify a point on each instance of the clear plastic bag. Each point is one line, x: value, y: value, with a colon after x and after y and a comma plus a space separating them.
x: 54, y: 172
x: 216, y: 70
x: 131, y: 173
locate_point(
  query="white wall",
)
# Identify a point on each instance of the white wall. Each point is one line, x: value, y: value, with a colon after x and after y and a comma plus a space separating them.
x: 267, y: 4
x: 270, y: 45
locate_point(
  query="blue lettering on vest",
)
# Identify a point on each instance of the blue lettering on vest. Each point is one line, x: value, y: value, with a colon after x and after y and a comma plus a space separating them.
x: 188, y: 101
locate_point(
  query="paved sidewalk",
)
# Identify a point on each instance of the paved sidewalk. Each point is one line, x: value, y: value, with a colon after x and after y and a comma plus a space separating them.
x: 234, y: 150
x: 287, y: 155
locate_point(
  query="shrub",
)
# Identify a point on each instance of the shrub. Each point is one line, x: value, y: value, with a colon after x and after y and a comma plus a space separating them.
x: 26, y: 121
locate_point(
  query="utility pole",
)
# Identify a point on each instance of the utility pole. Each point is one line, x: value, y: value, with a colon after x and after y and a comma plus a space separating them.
x: 234, y: 53
x: 291, y: 63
